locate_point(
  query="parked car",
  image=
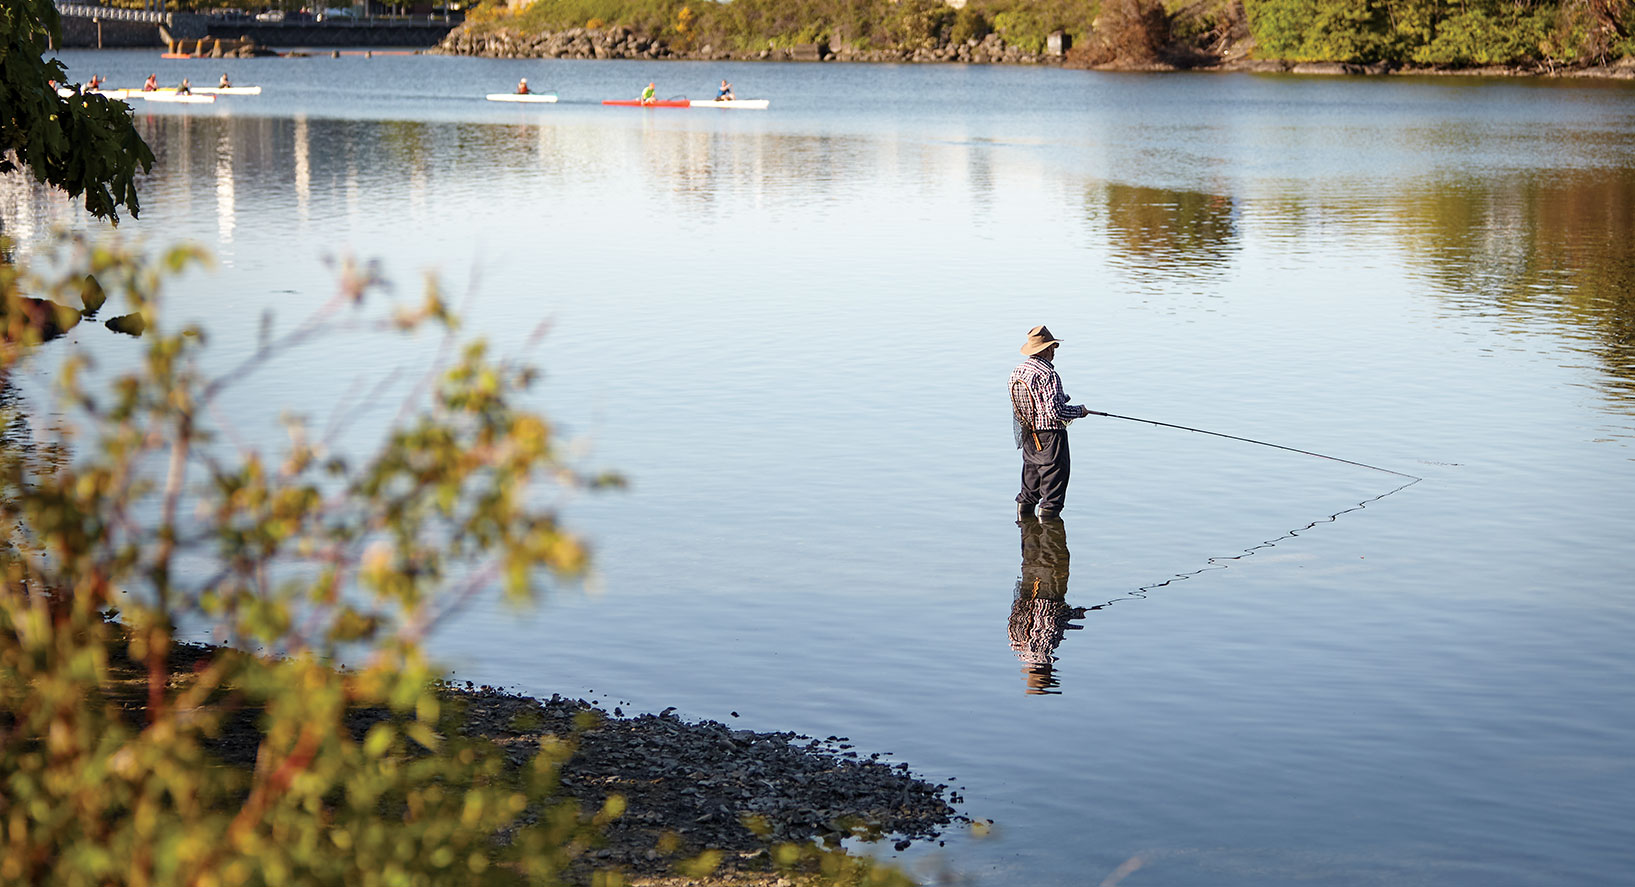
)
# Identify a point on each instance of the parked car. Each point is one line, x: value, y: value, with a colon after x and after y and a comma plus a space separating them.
x: 338, y: 15
x: 271, y: 15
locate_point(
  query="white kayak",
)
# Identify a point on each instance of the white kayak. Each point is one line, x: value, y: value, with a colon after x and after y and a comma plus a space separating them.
x: 179, y: 99
x: 532, y: 97
x: 203, y: 90
x: 65, y: 92
x: 741, y: 104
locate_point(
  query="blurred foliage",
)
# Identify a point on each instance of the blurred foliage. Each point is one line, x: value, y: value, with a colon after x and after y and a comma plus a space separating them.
x: 130, y: 758
x: 83, y: 144
x: 115, y: 776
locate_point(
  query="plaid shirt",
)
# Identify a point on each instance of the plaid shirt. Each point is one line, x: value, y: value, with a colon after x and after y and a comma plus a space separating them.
x: 1050, y: 409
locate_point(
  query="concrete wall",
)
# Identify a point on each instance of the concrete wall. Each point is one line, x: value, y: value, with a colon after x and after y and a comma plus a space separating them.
x: 82, y: 33
x: 288, y: 35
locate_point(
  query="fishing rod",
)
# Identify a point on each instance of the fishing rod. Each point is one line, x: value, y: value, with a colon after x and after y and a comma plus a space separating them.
x: 1251, y: 440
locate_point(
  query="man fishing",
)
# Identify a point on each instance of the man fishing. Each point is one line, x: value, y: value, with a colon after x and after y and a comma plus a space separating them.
x: 1041, y: 413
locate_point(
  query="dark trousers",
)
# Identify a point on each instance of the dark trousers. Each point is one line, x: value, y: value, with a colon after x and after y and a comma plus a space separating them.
x: 1045, y: 470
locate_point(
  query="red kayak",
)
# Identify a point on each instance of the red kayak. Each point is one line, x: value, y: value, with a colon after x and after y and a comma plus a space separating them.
x: 657, y: 103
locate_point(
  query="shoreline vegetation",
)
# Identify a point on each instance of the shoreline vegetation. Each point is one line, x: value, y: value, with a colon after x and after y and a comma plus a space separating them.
x: 1563, y: 38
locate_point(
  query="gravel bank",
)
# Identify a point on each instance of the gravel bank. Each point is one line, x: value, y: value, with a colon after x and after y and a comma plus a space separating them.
x: 697, y: 779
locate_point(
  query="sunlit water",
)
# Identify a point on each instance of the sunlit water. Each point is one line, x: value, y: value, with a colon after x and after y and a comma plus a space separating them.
x: 791, y: 330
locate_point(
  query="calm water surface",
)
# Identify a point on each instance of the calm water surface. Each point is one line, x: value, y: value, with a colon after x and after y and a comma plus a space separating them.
x: 791, y: 329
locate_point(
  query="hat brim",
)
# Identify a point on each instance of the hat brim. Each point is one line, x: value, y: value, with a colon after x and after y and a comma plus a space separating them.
x: 1031, y: 349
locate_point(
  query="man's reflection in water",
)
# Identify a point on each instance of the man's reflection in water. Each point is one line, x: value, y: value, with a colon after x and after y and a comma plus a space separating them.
x: 1039, y: 617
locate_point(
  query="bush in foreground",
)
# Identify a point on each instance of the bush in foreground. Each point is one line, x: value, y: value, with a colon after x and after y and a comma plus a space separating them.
x: 138, y: 511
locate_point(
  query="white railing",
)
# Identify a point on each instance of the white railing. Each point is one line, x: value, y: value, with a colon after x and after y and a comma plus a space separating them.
x: 110, y: 14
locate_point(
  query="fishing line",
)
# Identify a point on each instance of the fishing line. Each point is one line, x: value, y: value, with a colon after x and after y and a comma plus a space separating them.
x: 1221, y: 562
x: 1263, y: 443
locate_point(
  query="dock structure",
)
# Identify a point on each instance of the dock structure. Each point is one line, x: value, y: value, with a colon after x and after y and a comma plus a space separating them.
x: 87, y: 26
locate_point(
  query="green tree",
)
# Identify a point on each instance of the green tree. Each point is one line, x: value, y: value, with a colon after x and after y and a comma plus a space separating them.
x: 1321, y: 30
x: 1488, y: 33
x: 83, y: 144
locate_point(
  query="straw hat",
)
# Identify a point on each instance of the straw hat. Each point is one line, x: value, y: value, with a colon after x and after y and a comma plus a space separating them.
x: 1039, y: 338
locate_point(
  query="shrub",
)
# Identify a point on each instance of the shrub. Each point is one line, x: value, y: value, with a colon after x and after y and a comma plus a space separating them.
x: 1131, y: 32
x: 299, y: 551
x: 969, y: 24
x: 920, y: 24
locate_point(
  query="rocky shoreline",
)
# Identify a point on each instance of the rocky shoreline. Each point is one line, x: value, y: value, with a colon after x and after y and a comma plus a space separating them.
x: 1623, y: 69
x: 689, y: 786
x: 623, y: 43
x: 698, y: 780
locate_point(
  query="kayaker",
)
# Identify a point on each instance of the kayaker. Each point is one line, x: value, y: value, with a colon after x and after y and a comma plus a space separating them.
x: 95, y: 82
x: 1041, y: 414
x: 224, y: 84
x: 151, y: 84
x: 647, y: 94
x: 185, y: 88
x: 522, y: 86
x: 724, y: 94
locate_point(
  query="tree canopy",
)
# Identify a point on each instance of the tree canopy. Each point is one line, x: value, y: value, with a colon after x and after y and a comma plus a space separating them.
x: 85, y: 145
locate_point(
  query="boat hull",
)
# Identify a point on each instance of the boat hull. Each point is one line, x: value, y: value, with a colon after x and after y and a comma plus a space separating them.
x: 171, y: 90
x: 178, y: 99
x: 529, y: 99
x: 638, y: 103
x: 733, y: 104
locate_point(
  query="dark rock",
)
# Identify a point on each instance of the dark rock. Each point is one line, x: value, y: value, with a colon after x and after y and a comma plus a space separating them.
x: 130, y: 324
x: 699, y: 779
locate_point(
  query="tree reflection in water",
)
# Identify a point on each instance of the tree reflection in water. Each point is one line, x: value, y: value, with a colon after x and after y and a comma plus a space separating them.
x: 1558, y: 249
x: 1040, y: 615
x: 1187, y: 233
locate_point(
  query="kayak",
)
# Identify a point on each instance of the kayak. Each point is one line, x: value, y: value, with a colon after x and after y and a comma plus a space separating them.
x: 532, y: 97
x: 657, y: 103
x: 203, y: 90
x: 173, y: 97
x: 65, y: 92
x: 742, y: 104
